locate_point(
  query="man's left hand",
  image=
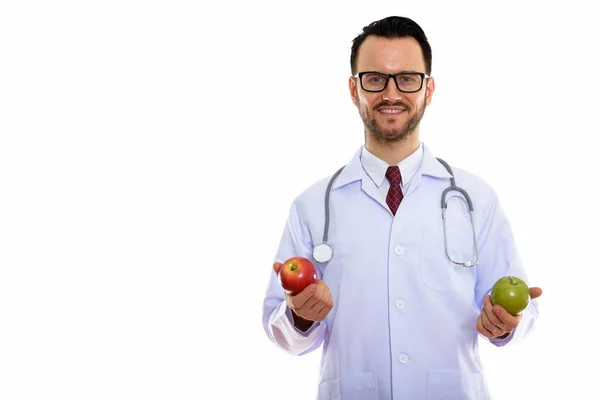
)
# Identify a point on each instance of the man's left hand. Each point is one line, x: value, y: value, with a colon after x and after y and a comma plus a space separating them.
x: 495, y: 321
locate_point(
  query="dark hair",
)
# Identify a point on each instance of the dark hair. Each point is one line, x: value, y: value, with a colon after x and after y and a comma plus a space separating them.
x: 393, y: 27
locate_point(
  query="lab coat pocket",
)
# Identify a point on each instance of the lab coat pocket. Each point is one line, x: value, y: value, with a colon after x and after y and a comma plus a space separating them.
x: 455, y: 384
x: 437, y: 271
x: 354, y: 387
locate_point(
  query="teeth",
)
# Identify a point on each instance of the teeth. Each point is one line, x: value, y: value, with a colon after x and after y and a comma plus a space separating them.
x: 386, y: 111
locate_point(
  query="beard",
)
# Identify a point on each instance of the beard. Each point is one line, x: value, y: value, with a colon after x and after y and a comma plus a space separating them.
x: 394, y: 134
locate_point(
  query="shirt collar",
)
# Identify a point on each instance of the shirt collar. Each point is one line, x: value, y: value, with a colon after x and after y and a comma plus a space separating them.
x: 376, y: 167
x: 425, y: 164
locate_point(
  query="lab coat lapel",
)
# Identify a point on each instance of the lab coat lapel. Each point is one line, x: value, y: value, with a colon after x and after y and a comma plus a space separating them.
x: 353, y: 172
x: 430, y: 166
x: 369, y: 187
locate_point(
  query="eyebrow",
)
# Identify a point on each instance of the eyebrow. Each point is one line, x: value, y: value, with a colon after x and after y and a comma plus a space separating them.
x: 399, y: 72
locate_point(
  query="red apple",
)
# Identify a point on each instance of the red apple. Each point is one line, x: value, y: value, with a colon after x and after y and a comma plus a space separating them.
x: 296, y: 274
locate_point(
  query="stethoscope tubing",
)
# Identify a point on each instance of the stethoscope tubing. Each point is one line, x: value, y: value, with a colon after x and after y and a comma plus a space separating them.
x: 323, y: 252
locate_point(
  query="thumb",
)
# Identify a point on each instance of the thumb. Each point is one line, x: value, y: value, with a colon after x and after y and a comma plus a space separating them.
x: 277, y: 267
x: 535, y: 292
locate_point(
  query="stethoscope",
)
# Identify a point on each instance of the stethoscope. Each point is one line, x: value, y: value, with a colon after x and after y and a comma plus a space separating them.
x: 323, y: 252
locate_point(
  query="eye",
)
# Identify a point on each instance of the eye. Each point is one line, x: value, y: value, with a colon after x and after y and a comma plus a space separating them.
x: 371, y: 78
x: 406, y: 79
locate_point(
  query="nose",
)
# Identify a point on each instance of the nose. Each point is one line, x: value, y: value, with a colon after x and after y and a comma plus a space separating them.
x: 391, y: 92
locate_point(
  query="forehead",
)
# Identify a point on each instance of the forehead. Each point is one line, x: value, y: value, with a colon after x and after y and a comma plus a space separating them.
x: 390, y: 55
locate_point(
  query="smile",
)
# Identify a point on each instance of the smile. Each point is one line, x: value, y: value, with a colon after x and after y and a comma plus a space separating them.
x: 391, y: 110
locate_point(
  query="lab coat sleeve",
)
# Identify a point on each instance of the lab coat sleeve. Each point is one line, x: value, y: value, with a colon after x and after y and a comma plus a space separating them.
x: 277, y: 316
x: 498, y: 257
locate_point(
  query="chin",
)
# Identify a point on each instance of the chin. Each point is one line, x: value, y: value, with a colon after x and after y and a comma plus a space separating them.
x: 392, y: 123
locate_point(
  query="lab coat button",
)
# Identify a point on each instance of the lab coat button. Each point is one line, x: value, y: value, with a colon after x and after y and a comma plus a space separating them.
x: 400, y: 304
x: 399, y: 250
x: 403, y: 358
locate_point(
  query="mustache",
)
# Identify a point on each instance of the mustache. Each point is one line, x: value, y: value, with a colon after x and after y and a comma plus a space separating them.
x: 394, y: 104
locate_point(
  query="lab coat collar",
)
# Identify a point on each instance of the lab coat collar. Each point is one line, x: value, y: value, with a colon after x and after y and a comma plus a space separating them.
x: 353, y: 171
x: 430, y: 166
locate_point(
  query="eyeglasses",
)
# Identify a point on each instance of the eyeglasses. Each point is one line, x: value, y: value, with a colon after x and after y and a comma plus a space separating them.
x: 406, y: 82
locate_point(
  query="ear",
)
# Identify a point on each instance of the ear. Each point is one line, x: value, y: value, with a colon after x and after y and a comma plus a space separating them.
x: 353, y: 90
x: 429, y: 90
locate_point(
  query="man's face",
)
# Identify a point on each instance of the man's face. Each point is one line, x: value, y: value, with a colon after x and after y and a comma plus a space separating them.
x: 390, y: 115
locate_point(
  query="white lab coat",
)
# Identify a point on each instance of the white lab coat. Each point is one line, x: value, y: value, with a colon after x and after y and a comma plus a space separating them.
x: 404, y: 317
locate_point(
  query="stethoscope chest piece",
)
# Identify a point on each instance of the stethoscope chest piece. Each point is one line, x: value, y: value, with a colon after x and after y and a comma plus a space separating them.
x: 322, y: 253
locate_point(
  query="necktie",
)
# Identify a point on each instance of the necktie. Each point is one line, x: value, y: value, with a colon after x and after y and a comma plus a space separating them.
x: 394, y: 196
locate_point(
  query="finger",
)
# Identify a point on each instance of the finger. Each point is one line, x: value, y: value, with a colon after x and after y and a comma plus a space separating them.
x: 320, y: 310
x: 489, y: 325
x: 277, y: 267
x: 328, y: 306
x: 489, y: 312
x: 314, y: 304
x: 511, y: 321
x: 299, y: 299
x: 482, y: 329
x: 324, y: 305
x: 487, y: 302
x: 491, y: 316
x: 535, y: 292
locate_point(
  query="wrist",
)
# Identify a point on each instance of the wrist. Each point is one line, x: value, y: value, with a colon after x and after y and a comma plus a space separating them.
x: 502, y: 336
x: 301, y: 323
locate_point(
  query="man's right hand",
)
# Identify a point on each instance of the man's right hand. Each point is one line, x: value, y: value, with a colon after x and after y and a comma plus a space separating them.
x: 311, y: 304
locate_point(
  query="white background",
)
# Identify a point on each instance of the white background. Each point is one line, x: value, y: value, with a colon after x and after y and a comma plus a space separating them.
x: 149, y: 152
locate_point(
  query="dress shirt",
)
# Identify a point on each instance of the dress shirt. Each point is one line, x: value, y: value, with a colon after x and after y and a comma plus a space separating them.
x: 376, y: 168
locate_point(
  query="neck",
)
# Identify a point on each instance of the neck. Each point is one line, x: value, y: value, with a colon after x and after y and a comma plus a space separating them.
x: 393, y: 152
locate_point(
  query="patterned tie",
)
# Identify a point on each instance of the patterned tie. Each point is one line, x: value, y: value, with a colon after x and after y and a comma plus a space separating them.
x: 394, y: 196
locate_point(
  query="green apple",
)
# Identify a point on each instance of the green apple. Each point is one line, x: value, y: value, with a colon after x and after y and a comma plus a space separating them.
x: 511, y: 293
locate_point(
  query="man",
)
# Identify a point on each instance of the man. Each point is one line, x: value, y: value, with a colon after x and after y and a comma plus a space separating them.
x: 399, y: 307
